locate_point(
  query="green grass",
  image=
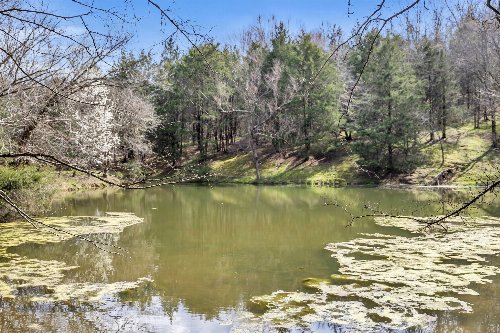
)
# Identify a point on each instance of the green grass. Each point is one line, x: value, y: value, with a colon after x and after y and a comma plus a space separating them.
x: 27, y: 185
x: 467, y: 152
x: 275, y: 169
x: 21, y: 177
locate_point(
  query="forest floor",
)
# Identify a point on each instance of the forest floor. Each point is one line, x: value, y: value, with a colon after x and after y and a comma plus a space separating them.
x: 465, y: 157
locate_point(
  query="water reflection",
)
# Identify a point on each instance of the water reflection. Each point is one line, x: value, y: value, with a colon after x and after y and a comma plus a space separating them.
x: 208, y: 250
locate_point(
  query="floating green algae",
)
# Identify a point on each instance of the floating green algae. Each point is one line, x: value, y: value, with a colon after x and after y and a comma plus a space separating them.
x: 42, y: 280
x: 20, y: 232
x: 409, y: 278
x: 90, y: 292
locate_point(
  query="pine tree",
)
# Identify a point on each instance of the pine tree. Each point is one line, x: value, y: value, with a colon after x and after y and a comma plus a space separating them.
x: 387, y: 121
x: 318, y: 99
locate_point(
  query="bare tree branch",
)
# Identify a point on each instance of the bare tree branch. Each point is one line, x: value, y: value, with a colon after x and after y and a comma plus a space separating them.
x: 466, y: 205
x: 55, y: 230
x: 128, y: 186
x: 494, y: 9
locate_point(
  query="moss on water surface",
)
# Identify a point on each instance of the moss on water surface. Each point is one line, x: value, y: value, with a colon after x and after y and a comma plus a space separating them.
x: 42, y: 280
x: 412, y: 278
x: 385, y: 282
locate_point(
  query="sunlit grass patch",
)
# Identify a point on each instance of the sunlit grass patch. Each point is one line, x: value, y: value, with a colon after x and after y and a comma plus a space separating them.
x: 276, y: 169
x: 466, y: 156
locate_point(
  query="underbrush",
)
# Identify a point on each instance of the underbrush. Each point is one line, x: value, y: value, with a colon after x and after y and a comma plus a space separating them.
x: 27, y: 184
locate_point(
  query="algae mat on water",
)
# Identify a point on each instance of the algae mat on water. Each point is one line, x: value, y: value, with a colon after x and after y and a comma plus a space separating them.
x: 390, y: 283
x: 44, y: 278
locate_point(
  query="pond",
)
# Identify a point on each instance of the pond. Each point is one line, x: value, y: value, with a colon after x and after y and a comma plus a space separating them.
x: 201, y: 254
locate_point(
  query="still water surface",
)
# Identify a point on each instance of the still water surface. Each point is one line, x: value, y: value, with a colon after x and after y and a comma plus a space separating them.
x: 208, y: 250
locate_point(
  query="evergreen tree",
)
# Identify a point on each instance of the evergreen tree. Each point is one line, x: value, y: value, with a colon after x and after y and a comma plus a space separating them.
x: 434, y: 71
x: 318, y: 100
x: 281, y: 55
x: 387, y: 122
x: 168, y: 99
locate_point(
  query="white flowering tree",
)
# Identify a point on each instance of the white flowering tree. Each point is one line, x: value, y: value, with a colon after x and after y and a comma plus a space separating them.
x: 94, y: 137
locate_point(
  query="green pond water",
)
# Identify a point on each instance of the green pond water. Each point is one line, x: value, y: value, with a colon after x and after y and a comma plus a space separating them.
x: 201, y: 254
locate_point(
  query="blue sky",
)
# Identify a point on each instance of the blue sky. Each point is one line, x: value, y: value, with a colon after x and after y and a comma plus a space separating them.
x: 224, y: 20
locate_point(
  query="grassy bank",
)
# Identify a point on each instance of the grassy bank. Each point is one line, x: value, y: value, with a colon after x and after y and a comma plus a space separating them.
x: 35, y: 186
x: 27, y: 184
x: 465, y: 157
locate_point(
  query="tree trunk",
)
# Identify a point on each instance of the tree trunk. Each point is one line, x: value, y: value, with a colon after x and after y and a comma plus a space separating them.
x: 181, y: 136
x: 200, y: 136
x: 276, y: 141
x: 431, y: 99
x: 443, y: 117
x: 442, y: 152
x: 494, y: 138
x: 30, y: 128
x: 431, y: 127
x: 477, y: 111
x: 467, y: 100
x: 307, y: 139
x: 390, y: 157
x: 255, y: 156
x: 476, y: 116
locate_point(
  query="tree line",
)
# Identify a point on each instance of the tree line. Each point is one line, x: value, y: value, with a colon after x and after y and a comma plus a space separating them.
x: 384, y: 95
